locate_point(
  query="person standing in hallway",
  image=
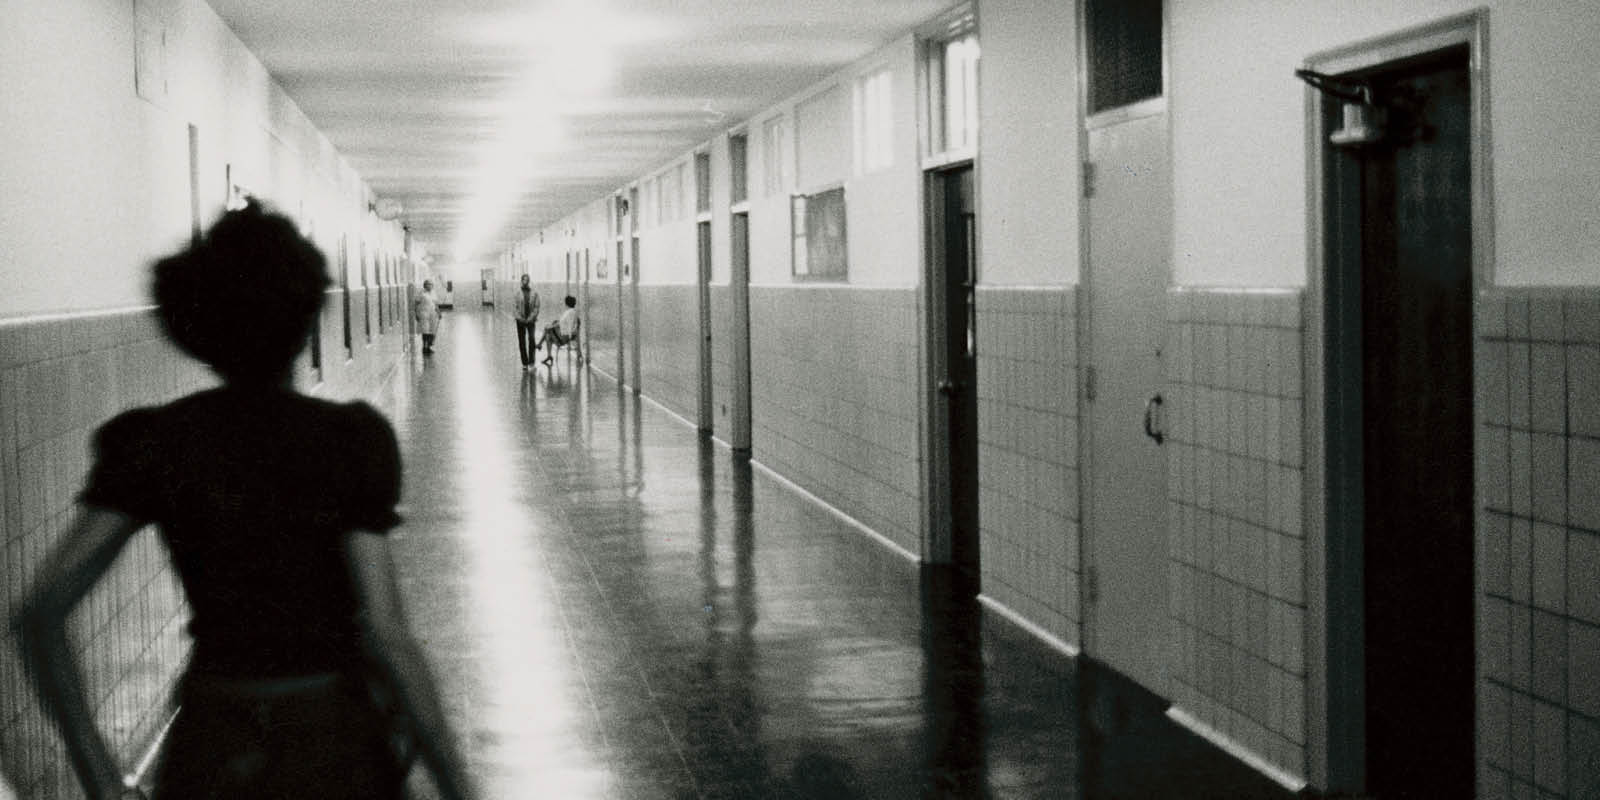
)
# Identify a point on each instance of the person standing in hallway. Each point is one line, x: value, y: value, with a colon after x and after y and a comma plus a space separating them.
x: 525, y: 310
x: 562, y: 330
x: 426, y: 312
x: 275, y: 508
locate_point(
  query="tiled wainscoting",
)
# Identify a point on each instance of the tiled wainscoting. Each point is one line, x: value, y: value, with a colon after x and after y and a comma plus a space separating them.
x: 722, y: 378
x: 60, y: 378
x: 1235, y: 533
x: 1028, y: 454
x: 601, y: 318
x: 834, y: 395
x: 1539, y: 543
x: 669, y: 347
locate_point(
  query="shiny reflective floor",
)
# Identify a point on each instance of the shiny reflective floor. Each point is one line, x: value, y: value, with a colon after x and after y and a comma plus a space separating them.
x: 619, y: 608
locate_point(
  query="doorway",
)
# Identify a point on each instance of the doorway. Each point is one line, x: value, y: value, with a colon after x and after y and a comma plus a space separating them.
x: 1129, y: 232
x: 634, y: 334
x: 1399, y: 233
x: 952, y: 279
x: 739, y: 436
x: 619, y: 269
x: 703, y: 244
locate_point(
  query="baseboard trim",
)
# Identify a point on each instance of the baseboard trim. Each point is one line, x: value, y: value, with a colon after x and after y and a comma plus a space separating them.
x: 1227, y: 744
x: 1029, y: 626
x: 143, y: 771
x: 889, y: 544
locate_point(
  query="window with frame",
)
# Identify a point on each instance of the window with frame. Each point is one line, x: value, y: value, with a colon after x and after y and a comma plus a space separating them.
x: 738, y: 168
x: 1124, y: 52
x: 702, y: 182
x: 874, y: 113
x: 652, y: 203
x: 819, y: 244
x: 774, y: 156
x: 952, y: 70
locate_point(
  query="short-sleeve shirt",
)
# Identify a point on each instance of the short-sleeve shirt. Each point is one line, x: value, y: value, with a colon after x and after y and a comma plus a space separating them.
x: 567, y: 323
x: 254, y: 492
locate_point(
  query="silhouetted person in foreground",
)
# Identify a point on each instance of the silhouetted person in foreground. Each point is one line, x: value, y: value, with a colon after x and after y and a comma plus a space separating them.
x: 275, y: 507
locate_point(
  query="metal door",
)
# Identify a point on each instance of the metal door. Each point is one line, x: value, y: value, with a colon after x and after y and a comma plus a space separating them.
x: 739, y: 334
x: 1129, y: 235
x: 952, y: 249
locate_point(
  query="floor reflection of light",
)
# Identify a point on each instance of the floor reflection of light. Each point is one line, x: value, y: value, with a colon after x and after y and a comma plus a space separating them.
x: 525, y: 721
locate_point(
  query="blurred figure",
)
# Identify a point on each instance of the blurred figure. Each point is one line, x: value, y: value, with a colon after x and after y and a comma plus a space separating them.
x: 525, y: 310
x: 275, y: 507
x: 562, y: 330
x: 426, y: 312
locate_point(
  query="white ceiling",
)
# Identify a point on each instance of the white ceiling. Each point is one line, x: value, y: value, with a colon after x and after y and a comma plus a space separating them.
x: 421, y: 95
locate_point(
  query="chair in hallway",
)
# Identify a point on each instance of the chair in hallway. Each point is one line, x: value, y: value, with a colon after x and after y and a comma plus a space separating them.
x: 572, y: 343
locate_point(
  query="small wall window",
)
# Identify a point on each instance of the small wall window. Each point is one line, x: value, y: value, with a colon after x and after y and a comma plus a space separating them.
x: 1124, y: 51
x: 702, y: 182
x: 820, y: 248
x: 960, y: 102
x: 874, y: 113
x: 681, y: 186
x: 652, y: 203
x: 775, y: 156
x: 738, y: 168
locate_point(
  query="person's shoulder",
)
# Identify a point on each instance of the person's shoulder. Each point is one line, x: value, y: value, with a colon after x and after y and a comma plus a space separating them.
x: 144, y: 422
x: 364, y: 416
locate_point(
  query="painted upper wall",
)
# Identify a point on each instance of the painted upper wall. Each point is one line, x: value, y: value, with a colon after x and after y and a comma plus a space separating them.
x: 1238, y: 123
x: 1028, y: 192
x: 98, y: 178
x: 816, y: 150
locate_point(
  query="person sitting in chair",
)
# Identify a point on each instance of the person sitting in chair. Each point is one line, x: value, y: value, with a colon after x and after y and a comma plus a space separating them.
x: 562, y: 330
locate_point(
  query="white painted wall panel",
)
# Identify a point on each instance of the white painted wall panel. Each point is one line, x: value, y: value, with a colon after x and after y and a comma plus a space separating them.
x: 1028, y: 135
x: 1238, y: 121
x: 97, y: 178
x: 822, y: 138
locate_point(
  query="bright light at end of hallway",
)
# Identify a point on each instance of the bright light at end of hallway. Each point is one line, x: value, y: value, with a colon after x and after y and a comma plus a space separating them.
x: 567, y: 55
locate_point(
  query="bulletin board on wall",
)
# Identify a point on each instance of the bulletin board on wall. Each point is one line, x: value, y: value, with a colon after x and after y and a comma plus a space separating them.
x: 820, y: 243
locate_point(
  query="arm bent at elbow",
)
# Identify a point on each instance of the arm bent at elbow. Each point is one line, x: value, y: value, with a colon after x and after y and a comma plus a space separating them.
x: 85, y: 553
x: 393, y: 651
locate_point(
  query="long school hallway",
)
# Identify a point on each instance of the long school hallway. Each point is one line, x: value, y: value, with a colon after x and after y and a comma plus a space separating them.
x: 619, y: 607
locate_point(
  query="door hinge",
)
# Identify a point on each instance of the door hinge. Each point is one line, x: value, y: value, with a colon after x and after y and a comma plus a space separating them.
x: 1088, y: 383
x: 1091, y: 577
x: 1088, y: 179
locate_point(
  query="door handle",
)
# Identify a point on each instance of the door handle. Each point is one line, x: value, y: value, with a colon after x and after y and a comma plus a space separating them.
x: 1149, y: 418
x: 949, y: 388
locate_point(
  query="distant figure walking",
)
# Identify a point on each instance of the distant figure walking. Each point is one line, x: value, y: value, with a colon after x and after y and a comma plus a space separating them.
x: 275, y: 508
x: 426, y: 312
x: 525, y: 310
x: 561, y: 331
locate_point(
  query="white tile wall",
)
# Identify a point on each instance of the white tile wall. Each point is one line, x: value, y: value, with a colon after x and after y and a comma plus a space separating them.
x: 1028, y: 453
x: 1236, y: 541
x: 669, y: 347
x: 834, y: 399
x: 61, y: 378
x: 1539, y: 544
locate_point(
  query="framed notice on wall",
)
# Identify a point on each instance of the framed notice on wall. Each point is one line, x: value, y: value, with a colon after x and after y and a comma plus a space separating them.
x: 820, y: 246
